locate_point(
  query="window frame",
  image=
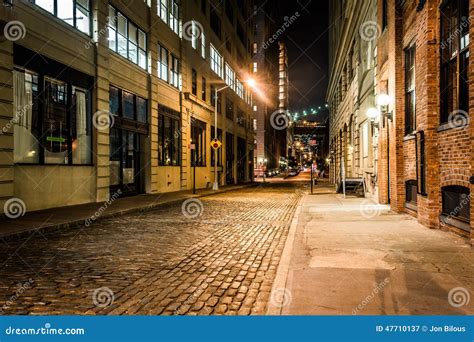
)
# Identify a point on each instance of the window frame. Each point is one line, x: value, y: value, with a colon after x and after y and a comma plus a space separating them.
x: 410, y: 89
x: 75, y: 9
x: 175, y: 136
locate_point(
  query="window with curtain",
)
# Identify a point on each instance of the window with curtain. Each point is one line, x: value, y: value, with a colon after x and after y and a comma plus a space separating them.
x: 73, y: 12
x: 198, y: 136
x: 454, y: 50
x: 61, y: 133
x: 126, y: 38
x: 169, y: 137
x: 26, y: 117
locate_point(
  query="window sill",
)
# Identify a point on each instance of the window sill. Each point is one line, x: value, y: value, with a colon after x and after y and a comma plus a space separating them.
x: 411, y: 206
x: 409, y: 136
x: 450, y: 125
x: 455, y: 222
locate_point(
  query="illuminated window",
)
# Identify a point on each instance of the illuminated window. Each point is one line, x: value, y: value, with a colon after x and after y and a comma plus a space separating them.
x: 75, y: 13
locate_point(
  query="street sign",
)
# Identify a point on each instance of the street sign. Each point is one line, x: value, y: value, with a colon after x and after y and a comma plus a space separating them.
x: 216, y: 144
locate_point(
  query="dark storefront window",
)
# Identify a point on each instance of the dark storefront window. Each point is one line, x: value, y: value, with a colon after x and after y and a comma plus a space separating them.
x: 169, y: 137
x: 456, y: 202
x: 454, y: 58
x: 410, y: 107
x: 411, y: 192
x: 198, y: 136
x: 53, y: 122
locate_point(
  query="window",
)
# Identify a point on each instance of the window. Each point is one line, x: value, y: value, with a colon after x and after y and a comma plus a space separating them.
x: 175, y: 72
x: 128, y: 106
x: 203, y: 45
x: 229, y: 11
x: 216, y: 61
x: 215, y: 22
x: 163, y: 10
x: 194, y: 35
x: 239, y: 88
x: 168, y: 11
x: 411, y: 192
x: 204, y: 90
x: 126, y: 38
x: 410, y: 107
x: 198, y: 138
x: 62, y: 132
x: 229, y: 109
x: 75, y: 13
x: 241, y: 117
x: 204, y: 6
x: 219, y: 151
x: 454, y: 58
x: 169, y: 137
x: 456, y: 202
x: 384, y: 14
x: 229, y: 76
x: 194, y: 82
x: 162, y: 63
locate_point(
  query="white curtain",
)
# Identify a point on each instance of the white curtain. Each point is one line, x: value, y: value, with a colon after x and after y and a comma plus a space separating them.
x: 25, y: 144
x: 82, y: 146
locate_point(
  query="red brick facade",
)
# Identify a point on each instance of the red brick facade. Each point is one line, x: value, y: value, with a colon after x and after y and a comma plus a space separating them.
x: 449, y: 152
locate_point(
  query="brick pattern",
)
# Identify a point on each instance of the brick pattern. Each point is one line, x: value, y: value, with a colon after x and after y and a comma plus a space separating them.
x: 159, y: 262
x: 449, y: 153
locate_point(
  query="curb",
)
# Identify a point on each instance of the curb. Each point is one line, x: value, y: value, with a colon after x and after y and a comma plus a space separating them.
x: 82, y: 222
x: 281, y: 277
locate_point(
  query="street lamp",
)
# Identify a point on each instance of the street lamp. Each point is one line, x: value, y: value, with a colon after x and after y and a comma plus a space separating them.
x: 372, y: 114
x: 384, y: 100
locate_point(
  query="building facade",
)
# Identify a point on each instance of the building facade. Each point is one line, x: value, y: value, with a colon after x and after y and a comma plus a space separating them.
x: 419, y: 106
x: 427, y: 144
x: 351, y: 91
x: 99, y: 97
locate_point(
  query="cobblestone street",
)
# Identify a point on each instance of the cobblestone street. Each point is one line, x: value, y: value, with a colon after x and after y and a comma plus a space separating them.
x: 157, y: 262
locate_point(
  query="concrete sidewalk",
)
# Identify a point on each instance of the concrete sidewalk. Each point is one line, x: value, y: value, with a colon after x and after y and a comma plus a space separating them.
x: 351, y: 257
x: 71, y: 216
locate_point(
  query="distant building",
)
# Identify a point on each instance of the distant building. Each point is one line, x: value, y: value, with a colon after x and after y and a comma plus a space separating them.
x: 270, y: 67
x: 351, y: 92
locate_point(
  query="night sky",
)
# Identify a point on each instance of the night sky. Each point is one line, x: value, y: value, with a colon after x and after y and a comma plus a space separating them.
x: 307, y: 42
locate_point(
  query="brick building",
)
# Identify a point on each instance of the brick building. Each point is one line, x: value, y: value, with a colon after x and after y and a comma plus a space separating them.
x: 351, y: 92
x: 424, y: 66
x: 150, y: 68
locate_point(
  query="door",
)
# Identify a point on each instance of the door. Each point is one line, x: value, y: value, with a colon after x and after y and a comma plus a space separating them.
x: 229, y: 158
x: 124, y: 161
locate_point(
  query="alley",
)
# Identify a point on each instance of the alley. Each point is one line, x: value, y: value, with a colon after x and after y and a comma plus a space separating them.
x: 216, y: 255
